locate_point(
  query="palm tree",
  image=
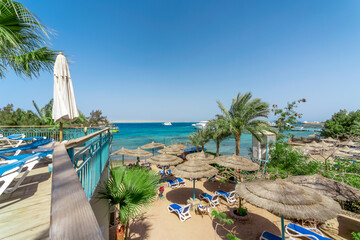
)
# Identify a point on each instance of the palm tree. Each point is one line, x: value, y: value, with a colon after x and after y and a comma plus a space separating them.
x: 217, y: 130
x: 130, y: 190
x: 23, y: 41
x: 243, y: 116
x: 199, y: 139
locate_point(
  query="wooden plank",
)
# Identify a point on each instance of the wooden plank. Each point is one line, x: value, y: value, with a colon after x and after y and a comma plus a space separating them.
x: 71, y: 213
x: 25, y: 213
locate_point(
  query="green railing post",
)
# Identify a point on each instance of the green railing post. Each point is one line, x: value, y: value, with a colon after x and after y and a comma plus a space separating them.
x: 282, y: 228
x: 194, y: 188
x: 71, y: 155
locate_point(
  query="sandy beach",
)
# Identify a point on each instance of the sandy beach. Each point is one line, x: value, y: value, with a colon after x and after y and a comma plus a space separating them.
x: 158, y: 223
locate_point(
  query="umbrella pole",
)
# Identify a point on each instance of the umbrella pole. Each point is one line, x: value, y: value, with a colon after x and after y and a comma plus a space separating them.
x: 138, y: 160
x: 123, y: 159
x: 194, y: 188
x: 164, y: 172
x: 61, y: 137
x: 282, y: 228
x: 153, y: 151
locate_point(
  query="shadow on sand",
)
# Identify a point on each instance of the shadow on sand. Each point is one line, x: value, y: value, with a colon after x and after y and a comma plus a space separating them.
x: 250, y: 229
x: 139, y: 229
x: 217, y: 185
x: 181, y: 195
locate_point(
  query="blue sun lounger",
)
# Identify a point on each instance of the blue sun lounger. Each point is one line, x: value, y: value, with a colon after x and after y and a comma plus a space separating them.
x: 229, y: 196
x: 172, y: 184
x: 269, y: 236
x: 180, y: 181
x: 182, y: 212
x: 33, y: 145
x: 18, y: 141
x: 299, y: 231
x: 213, y: 200
x: 9, y: 172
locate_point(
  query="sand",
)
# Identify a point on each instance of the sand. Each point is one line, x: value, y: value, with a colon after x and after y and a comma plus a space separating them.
x: 157, y: 223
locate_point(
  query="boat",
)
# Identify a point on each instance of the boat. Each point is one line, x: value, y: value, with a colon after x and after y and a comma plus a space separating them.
x: 200, y: 125
x: 167, y: 124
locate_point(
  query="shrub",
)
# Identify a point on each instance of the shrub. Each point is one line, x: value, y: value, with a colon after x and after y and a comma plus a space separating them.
x: 342, y: 124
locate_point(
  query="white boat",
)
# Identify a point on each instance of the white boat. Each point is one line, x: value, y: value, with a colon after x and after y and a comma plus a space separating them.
x: 167, y: 124
x: 200, y: 125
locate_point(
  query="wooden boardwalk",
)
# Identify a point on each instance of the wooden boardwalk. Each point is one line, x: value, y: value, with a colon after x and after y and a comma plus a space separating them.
x: 25, y: 213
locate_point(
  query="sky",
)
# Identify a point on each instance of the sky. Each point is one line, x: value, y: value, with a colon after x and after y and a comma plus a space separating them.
x: 172, y: 60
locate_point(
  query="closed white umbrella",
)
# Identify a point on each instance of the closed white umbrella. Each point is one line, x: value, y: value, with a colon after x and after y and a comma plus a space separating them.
x: 64, y: 107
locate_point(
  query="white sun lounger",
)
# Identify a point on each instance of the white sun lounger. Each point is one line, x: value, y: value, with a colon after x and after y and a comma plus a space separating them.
x: 213, y: 200
x: 182, y: 212
x: 229, y: 196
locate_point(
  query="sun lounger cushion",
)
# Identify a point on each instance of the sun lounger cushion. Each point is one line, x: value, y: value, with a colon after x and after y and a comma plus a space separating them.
x: 182, y: 212
x: 312, y: 233
x: 172, y: 184
x: 206, y: 195
x: 12, y: 167
x: 269, y: 236
x: 32, y: 145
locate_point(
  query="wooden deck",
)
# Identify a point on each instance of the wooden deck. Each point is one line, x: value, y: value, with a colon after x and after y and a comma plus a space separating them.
x: 25, y: 213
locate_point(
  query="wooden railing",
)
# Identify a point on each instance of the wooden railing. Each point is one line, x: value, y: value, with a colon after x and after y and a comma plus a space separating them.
x: 75, y: 176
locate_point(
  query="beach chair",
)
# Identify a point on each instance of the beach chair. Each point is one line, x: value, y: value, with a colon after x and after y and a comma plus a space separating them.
x: 269, y: 236
x: 299, y: 231
x: 172, y: 184
x: 11, y: 137
x: 182, y: 212
x: 203, y: 209
x: 229, y: 196
x: 21, y: 140
x: 180, y: 182
x: 161, y: 172
x: 168, y: 172
x: 10, y: 171
x: 31, y: 146
x: 213, y: 200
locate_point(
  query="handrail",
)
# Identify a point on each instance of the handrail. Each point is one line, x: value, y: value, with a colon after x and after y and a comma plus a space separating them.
x: 71, y: 214
x: 76, y: 142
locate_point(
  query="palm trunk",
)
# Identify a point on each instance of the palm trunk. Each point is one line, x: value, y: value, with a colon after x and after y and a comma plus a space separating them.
x: 202, y: 148
x: 217, y: 149
x: 237, y: 141
x: 127, y: 231
x: 120, y: 231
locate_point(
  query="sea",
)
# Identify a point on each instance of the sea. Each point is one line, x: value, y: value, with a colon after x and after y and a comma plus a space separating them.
x: 134, y: 135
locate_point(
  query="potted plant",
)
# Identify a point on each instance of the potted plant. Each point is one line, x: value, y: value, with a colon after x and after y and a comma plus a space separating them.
x: 240, y: 213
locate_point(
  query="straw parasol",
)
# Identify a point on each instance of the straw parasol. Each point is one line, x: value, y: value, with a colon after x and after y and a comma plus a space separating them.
x: 171, y: 151
x: 138, y: 153
x: 314, y: 144
x: 122, y: 152
x: 329, y: 139
x: 152, y: 146
x: 64, y: 107
x: 165, y: 160
x: 194, y: 169
x: 349, y: 143
x: 331, y: 188
x: 237, y: 162
x: 288, y: 200
x: 201, y: 156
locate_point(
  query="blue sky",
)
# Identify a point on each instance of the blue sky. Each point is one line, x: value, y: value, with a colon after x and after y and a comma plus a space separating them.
x: 171, y: 60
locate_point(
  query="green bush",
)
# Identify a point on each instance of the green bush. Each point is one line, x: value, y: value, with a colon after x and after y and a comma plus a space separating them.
x: 342, y: 124
x: 286, y: 161
x: 242, y: 211
x: 356, y: 236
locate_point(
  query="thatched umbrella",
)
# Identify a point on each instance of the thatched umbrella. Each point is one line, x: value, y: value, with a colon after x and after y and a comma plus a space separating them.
x: 314, y: 144
x: 165, y: 160
x: 237, y: 162
x: 171, y: 151
x: 331, y: 188
x: 122, y: 152
x: 201, y: 156
x: 152, y: 146
x: 194, y: 169
x: 138, y: 153
x: 349, y: 143
x: 288, y: 200
x: 329, y: 139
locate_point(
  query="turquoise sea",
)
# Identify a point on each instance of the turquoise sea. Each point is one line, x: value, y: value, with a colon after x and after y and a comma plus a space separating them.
x: 133, y: 135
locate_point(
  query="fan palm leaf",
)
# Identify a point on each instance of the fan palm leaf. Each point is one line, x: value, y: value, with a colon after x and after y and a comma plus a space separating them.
x: 23, y: 41
x: 243, y: 116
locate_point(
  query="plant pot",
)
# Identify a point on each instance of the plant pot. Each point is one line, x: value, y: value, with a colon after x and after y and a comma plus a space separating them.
x: 234, y: 215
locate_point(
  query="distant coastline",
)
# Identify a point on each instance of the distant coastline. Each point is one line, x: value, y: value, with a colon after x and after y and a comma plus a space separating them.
x: 148, y: 121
